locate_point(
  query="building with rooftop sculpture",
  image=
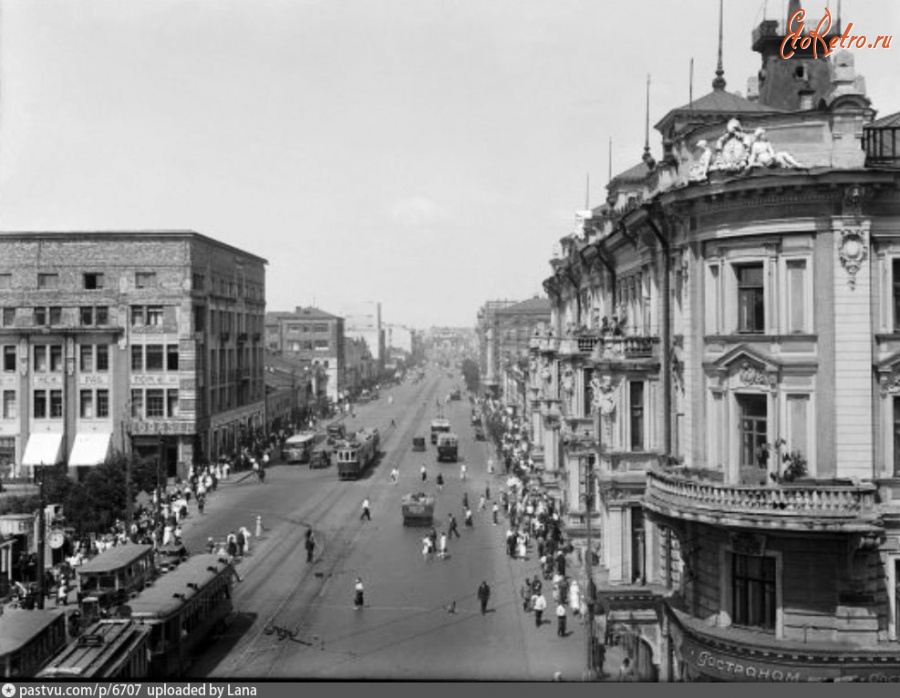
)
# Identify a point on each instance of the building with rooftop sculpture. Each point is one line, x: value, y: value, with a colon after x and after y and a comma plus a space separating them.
x: 725, y: 358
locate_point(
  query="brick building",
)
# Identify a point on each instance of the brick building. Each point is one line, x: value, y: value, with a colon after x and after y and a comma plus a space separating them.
x: 143, y: 341
x: 313, y: 337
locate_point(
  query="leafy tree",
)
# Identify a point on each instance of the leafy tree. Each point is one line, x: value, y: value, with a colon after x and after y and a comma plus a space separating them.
x: 470, y: 374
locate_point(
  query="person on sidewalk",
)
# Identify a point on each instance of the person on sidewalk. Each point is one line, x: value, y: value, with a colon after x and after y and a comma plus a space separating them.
x: 424, y: 473
x: 443, y: 548
x: 359, y: 589
x: 561, y: 619
x: 440, y: 482
x: 539, y: 604
x: 469, y: 522
x: 395, y: 474
x: 484, y: 593
x: 462, y: 472
x: 626, y: 671
x: 365, y: 511
x: 495, y: 513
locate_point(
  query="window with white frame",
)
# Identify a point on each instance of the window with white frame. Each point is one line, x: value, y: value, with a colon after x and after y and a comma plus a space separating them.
x: 751, y: 298
x: 636, y: 415
x: 713, y: 298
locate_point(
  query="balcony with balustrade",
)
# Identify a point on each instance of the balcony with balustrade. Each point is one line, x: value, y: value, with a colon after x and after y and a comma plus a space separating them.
x: 801, y: 506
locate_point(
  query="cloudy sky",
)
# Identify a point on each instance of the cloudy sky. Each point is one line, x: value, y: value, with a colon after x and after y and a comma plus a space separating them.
x: 424, y: 153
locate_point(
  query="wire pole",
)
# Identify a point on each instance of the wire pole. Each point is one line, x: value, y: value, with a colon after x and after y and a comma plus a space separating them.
x: 593, y: 671
x: 41, y: 551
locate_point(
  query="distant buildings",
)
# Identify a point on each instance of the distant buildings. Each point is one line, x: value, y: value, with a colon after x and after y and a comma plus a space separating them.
x: 138, y: 341
x: 311, y: 337
x: 363, y: 320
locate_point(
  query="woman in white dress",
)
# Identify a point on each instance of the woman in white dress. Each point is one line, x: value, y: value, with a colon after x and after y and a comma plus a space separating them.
x: 575, y: 597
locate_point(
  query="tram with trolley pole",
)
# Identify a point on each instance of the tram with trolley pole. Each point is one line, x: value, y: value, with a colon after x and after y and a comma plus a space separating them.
x: 111, y: 649
x: 182, y: 609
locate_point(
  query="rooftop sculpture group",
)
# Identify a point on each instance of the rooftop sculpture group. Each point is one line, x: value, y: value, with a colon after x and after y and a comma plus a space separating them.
x: 737, y: 151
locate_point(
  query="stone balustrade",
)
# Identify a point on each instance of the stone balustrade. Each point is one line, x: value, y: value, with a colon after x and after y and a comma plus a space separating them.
x: 803, y: 505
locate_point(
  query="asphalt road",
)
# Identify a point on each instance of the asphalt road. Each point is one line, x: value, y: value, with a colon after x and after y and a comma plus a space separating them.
x: 297, y: 620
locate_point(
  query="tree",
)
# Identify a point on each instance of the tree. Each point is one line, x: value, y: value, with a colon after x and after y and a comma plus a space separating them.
x: 470, y: 374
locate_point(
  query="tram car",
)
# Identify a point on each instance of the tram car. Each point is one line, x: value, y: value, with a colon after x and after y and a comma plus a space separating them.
x: 182, y: 609
x: 28, y: 639
x: 111, y: 649
x: 418, y: 509
x: 357, y: 454
x: 447, y: 447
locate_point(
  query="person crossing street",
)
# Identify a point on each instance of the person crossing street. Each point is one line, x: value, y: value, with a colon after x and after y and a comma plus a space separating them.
x: 484, y: 593
x: 365, y: 511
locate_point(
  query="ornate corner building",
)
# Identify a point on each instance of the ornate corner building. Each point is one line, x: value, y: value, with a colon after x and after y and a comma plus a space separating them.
x: 724, y: 354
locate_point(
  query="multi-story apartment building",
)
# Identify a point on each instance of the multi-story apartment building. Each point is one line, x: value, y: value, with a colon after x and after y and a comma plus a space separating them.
x: 137, y: 341
x: 724, y: 357
x: 363, y: 321
x: 505, y: 329
x: 314, y: 337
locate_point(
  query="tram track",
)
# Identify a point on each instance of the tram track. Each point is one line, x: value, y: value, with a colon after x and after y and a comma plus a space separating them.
x: 336, y: 548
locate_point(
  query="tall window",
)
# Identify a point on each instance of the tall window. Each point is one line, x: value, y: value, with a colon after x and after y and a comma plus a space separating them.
x: 751, y: 298
x: 10, y: 406
x: 172, y: 403
x: 154, y: 358
x: 102, y: 357
x: 171, y: 357
x: 155, y: 315
x: 40, y: 404
x: 56, y: 357
x: 636, y: 395
x: 55, y: 315
x: 137, y: 357
x: 155, y: 403
x: 137, y: 404
x: 87, y: 358
x: 137, y: 315
x: 40, y: 358
x: 103, y: 403
x: 56, y: 404
x: 9, y: 359
x: 40, y: 317
x: 896, y: 270
x: 753, y: 591
x: 9, y: 317
x: 753, y: 426
x: 87, y: 404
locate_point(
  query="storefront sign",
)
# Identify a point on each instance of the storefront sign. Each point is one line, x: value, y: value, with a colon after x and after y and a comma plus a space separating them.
x: 93, y: 379
x: 727, y: 667
x: 51, y: 379
x: 138, y: 379
x: 162, y: 426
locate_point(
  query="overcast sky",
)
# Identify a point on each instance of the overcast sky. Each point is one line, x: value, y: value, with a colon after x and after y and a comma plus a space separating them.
x: 424, y: 153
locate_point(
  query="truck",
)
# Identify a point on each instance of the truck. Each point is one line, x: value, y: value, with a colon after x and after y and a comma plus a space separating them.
x: 356, y: 454
x: 418, y: 509
x: 439, y: 426
x: 447, y: 447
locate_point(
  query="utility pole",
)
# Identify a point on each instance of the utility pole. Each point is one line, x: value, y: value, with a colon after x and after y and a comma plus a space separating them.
x: 159, y: 521
x: 593, y: 671
x: 41, y: 551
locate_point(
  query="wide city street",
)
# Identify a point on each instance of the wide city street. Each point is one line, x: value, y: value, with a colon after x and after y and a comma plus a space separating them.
x: 298, y: 620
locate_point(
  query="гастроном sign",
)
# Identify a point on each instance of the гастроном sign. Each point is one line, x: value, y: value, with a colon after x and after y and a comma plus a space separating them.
x: 728, y: 667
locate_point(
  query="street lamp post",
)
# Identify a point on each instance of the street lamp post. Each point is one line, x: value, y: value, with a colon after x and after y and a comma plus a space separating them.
x: 41, y: 551
x: 159, y: 521
x: 593, y: 671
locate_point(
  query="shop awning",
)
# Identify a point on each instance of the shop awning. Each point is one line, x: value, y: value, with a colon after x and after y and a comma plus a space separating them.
x: 90, y: 449
x: 43, y: 449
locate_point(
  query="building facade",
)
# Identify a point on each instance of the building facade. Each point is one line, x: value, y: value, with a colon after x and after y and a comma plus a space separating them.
x: 363, y: 321
x: 721, y: 377
x: 312, y: 337
x: 136, y: 341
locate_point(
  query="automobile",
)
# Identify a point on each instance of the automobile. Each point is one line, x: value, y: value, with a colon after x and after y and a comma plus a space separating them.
x: 335, y: 433
x: 418, y: 509
x: 456, y: 395
x: 418, y: 443
x: 320, y: 458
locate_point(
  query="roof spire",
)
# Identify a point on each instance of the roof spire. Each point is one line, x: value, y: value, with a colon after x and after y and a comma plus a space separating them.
x: 647, y: 157
x: 718, y: 82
